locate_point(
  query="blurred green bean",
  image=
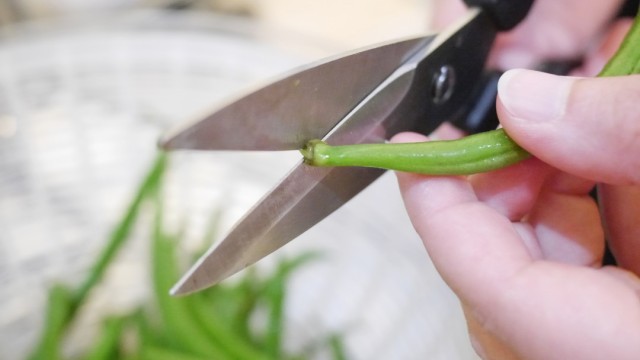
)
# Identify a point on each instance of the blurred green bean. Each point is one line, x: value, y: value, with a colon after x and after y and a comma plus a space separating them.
x: 152, y: 352
x: 175, y: 313
x: 214, y: 324
x: 222, y: 333
x: 275, y: 295
x: 121, y: 232
x: 75, y: 299
x: 58, y: 310
x: 336, y: 343
x: 626, y: 60
x: 202, y: 327
x: 107, y: 347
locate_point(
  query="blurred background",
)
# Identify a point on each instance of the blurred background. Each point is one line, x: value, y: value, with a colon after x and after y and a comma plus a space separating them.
x: 87, y: 87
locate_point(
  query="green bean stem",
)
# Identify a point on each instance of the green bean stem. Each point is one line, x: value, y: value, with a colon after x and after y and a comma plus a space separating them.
x: 476, y: 153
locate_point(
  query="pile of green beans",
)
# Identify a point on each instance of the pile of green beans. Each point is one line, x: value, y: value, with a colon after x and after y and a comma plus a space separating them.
x: 477, y: 153
x: 217, y: 323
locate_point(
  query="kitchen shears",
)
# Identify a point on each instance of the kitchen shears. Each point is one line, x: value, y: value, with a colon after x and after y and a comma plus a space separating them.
x: 365, y: 96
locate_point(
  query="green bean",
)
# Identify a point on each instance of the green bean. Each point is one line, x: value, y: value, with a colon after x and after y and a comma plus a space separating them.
x: 275, y: 327
x: 626, y: 60
x: 143, y: 332
x: 481, y: 152
x: 107, y: 346
x: 73, y: 300
x: 152, y: 352
x: 192, y: 320
x: 275, y: 295
x: 220, y: 333
x: 211, y: 231
x: 337, y: 347
x: 248, y: 294
x: 122, y: 231
x: 175, y: 312
x: 59, y: 308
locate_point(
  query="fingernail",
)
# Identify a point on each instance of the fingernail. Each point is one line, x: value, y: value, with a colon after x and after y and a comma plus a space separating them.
x: 534, y: 96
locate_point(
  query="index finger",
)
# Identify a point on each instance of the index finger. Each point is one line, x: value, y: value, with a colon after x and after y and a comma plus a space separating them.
x: 473, y: 246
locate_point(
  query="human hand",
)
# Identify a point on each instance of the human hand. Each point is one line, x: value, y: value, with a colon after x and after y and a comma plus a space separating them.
x: 522, y: 246
x: 554, y: 29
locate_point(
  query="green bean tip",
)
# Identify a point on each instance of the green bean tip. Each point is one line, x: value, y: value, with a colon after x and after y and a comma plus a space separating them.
x: 310, y: 152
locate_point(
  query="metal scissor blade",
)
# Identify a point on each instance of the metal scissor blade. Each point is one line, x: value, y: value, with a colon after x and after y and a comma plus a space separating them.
x: 305, y: 197
x: 301, y: 106
x: 308, y: 194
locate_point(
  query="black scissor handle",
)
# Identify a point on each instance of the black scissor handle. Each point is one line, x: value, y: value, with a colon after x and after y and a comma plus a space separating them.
x: 482, y: 115
x: 506, y: 14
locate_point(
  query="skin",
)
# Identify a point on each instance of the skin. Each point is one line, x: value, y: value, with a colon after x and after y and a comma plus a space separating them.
x: 522, y: 246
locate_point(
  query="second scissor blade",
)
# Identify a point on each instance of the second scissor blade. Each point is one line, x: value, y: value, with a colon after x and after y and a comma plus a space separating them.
x: 304, y: 105
x: 305, y: 197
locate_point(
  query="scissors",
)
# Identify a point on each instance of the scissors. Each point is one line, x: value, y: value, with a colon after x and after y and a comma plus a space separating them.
x: 366, y: 96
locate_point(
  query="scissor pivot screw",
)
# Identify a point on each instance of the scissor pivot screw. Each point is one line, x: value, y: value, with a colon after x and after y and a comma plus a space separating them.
x: 443, y: 84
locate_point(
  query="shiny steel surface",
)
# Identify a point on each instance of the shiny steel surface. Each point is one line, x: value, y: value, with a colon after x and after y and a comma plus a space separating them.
x: 302, y: 199
x: 403, y: 101
x: 301, y: 106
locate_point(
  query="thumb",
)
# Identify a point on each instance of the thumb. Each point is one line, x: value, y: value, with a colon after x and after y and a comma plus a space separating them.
x: 589, y: 127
